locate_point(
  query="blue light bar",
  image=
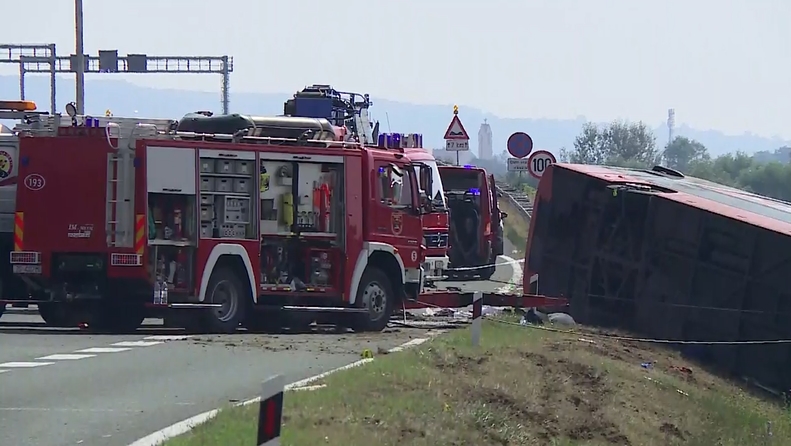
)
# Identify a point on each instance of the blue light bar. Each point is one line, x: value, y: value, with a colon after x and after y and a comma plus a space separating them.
x: 469, y: 166
x: 474, y: 191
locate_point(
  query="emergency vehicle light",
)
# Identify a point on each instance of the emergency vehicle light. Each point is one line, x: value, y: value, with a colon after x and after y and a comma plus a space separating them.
x: 469, y: 166
x: 400, y: 140
x: 390, y: 140
x: 18, y: 105
x: 475, y: 191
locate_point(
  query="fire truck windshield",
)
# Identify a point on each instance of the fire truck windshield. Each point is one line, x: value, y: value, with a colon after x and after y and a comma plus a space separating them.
x: 437, y: 191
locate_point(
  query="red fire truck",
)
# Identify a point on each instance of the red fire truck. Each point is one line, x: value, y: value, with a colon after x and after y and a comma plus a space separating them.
x: 213, y: 222
x: 476, y: 225
x: 435, y: 224
x: 10, y: 285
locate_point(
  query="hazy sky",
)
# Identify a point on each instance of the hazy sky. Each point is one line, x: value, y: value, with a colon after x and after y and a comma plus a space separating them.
x: 721, y: 64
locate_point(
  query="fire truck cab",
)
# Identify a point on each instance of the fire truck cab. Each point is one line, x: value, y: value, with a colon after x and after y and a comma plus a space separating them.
x: 352, y: 111
x: 217, y: 221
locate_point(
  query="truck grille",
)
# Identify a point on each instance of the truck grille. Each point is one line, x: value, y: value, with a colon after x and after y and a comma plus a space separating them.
x: 436, y: 240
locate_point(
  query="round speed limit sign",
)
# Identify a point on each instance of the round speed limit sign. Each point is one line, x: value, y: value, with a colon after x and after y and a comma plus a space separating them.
x: 539, y: 161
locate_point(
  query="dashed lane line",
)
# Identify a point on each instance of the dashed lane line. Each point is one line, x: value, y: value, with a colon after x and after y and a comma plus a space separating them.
x: 23, y: 364
x: 104, y: 350
x: 136, y: 343
x: 64, y: 357
x: 92, y: 352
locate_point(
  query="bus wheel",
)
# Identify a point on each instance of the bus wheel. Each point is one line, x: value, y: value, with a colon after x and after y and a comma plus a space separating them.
x: 376, y: 295
x: 58, y: 315
x: 226, y: 290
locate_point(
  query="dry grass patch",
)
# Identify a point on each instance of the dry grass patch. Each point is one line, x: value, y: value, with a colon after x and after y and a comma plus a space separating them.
x: 521, y: 387
x: 515, y: 226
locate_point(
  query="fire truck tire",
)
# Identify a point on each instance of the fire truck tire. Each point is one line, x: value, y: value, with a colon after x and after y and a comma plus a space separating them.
x: 225, y: 288
x: 376, y: 295
x: 58, y: 315
x: 2, y: 309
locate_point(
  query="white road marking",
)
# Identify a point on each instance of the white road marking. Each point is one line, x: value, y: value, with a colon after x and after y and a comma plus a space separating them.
x: 182, y: 427
x: 136, y: 343
x: 104, y: 350
x: 167, y: 338
x: 64, y: 357
x: 24, y: 365
x: 406, y: 345
x: 63, y: 409
x: 516, y: 274
x: 3, y: 371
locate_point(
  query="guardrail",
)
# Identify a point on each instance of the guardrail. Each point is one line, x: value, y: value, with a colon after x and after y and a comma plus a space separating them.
x: 518, y: 199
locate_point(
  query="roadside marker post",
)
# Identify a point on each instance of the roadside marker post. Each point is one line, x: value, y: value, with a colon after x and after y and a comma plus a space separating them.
x: 270, y: 411
x: 477, y: 313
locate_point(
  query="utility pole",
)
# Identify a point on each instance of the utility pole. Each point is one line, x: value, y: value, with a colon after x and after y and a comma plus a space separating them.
x: 79, y: 51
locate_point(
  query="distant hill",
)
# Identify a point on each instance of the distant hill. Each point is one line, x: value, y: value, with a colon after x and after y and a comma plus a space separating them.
x: 126, y: 99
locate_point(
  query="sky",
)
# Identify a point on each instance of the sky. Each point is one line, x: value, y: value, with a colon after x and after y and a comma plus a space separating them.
x: 718, y: 63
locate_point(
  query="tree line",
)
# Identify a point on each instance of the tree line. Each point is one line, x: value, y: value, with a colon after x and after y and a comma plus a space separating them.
x: 633, y: 144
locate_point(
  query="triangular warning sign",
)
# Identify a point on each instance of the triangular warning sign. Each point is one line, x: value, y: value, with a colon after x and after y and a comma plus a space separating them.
x: 456, y: 130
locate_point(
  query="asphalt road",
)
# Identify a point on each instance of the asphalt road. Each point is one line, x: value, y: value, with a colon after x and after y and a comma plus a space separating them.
x: 66, y: 387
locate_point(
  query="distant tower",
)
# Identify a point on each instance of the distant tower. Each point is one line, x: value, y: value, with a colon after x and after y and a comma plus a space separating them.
x: 485, y: 141
x: 671, y: 124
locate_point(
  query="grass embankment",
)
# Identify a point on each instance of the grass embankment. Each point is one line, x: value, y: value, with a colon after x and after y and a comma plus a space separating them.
x: 521, y: 387
x: 516, y: 226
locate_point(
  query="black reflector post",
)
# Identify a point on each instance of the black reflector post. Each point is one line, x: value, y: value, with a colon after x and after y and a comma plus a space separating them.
x: 477, y: 314
x: 270, y: 411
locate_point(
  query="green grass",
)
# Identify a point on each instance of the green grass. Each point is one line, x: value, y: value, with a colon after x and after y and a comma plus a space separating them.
x: 521, y: 387
x: 516, y: 227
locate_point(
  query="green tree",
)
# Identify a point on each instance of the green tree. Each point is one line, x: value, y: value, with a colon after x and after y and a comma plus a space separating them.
x: 620, y: 143
x: 682, y: 152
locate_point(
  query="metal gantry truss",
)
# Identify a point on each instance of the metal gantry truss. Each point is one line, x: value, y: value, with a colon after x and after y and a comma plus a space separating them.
x: 14, y: 53
x: 42, y: 58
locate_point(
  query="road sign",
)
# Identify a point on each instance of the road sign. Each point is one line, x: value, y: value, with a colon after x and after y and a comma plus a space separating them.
x: 456, y: 130
x: 520, y: 144
x: 457, y: 145
x: 539, y: 161
x: 517, y: 165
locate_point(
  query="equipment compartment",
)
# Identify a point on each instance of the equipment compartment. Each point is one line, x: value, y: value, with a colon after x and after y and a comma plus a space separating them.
x: 303, y: 197
x: 172, y: 219
x: 226, y: 195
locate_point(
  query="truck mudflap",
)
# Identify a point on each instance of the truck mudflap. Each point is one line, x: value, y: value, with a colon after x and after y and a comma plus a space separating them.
x: 461, y: 299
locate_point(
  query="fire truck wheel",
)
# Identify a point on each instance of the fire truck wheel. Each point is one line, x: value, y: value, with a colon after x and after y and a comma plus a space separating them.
x: 2, y: 309
x: 225, y: 289
x: 376, y: 295
x: 58, y: 315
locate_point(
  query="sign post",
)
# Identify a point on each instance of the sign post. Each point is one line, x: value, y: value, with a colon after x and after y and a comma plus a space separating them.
x: 456, y: 137
x: 270, y: 411
x: 538, y: 162
x: 519, y: 145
